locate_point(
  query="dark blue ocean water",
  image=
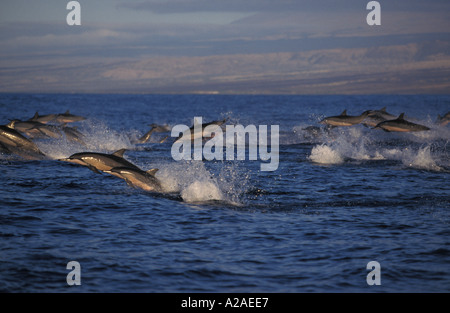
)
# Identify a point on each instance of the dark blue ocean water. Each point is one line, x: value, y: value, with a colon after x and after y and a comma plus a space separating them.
x: 337, y: 201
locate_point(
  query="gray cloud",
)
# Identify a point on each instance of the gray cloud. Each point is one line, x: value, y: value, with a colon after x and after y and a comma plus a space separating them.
x: 189, y: 6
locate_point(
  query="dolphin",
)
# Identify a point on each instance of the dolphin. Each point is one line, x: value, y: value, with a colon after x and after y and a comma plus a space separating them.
x: 154, y: 128
x: 100, y: 162
x: 26, y: 127
x: 17, y: 143
x: 137, y: 178
x: 400, y: 125
x: 72, y: 134
x: 36, y: 129
x: 50, y: 131
x: 43, y: 118
x: 344, y: 119
x: 443, y: 120
x: 203, y: 125
x: 372, y: 121
x: 382, y: 113
x: 67, y: 117
x: 377, y: 116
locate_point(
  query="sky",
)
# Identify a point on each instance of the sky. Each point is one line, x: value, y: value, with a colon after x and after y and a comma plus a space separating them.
x: 36, y: 44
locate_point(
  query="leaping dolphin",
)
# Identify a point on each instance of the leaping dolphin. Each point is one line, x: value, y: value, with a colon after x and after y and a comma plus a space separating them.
x: 382, y: 113
x: 44, y: 119
x: 72, y: 134
x: 29, y: 128
x: 137, y: 178
x: 67, y: 117
x: 400, y: 125
x: 50, y: 131
x: 377, y: 116
x: 344, y: 119
x: 16, y: 143
x: 193, y: 134
x: 100, y: 162
x: 154, y: 128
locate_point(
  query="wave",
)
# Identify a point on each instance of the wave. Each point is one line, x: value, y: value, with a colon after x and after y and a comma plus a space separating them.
x: 424, y: 150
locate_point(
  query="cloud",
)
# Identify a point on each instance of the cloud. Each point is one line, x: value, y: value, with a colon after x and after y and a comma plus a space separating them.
x: 189, y: 6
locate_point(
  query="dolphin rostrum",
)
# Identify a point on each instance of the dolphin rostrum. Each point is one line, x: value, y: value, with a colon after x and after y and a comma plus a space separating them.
x: 100, y: 162
x: 16, y: 143
x: 400, y: 125
x: 137, y: 178
x: 344, y: 119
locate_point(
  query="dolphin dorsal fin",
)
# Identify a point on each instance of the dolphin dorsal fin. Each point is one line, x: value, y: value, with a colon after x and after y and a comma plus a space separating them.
x: 152, y: 171
x: 67, y: 112
x: 35, y: 116
x: 11, y: 124
x: 383, y: 110
x: 344, y: 113
x: 400, y: 117
x: 120, y: 152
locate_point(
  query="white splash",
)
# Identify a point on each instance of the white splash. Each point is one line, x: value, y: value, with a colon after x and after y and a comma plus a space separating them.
x: 196, y: 183
x: 324, y: 154
x: 421, y: 159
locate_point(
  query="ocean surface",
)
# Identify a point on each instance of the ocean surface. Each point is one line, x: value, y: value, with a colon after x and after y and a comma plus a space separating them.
x: 338, y: 200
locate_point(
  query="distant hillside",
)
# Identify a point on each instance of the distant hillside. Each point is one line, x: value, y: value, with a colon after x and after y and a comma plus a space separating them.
x: 412, y: 68
x: 409, y: 68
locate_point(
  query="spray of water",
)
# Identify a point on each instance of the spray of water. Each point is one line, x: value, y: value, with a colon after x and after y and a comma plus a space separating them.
x: 414, y: 150
x: 196, y: 183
